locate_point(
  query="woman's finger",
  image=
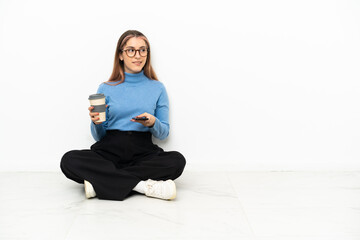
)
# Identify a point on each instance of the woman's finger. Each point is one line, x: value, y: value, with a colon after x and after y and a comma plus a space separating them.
x: 93, y: 113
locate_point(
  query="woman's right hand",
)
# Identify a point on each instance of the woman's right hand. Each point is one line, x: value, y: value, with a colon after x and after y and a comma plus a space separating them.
x: 94, y: 115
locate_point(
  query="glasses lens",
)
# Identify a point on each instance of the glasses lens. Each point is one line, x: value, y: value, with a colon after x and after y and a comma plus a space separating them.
x: 143, y: 52
x: 130, y: 52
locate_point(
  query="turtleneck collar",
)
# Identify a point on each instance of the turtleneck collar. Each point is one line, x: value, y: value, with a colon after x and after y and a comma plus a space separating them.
x: 135, y: 77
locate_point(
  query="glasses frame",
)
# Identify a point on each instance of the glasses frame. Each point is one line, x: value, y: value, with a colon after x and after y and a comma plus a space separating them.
x: 136, y: 50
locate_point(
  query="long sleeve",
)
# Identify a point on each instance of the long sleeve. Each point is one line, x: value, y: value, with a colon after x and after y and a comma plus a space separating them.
x: 99, y: 131
x: 161, y: 127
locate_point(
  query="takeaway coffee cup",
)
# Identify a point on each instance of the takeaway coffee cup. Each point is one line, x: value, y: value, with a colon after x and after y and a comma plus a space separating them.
x: 98, y: 102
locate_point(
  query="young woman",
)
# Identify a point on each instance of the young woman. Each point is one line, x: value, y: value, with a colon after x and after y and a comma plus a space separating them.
x: 124, y: 158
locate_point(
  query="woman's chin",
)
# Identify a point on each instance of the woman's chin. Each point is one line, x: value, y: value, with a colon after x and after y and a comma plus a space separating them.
x: 136, y: 69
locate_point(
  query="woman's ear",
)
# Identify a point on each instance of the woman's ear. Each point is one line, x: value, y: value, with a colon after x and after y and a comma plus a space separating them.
x: 121, y: 57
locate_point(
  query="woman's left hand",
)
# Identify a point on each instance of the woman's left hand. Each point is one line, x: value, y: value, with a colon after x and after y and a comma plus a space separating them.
x: 147, y: 123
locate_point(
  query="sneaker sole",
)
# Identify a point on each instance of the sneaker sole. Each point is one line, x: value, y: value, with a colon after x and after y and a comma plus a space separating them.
x: 174, y: 186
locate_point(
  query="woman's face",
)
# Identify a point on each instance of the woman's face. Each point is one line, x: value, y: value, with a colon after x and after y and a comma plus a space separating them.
x: 136, y: 63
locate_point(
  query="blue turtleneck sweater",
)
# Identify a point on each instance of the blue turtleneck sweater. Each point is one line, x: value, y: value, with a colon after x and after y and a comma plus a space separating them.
x: 136, y: 95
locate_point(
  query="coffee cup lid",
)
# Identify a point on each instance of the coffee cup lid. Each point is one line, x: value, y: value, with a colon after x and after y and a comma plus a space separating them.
x: 96, y: 96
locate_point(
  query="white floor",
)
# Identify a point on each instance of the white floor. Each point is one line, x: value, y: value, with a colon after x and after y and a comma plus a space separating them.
x: 209, y: 205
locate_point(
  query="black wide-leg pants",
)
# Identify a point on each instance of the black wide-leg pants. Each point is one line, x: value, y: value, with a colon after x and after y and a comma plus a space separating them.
x: 119, y: 161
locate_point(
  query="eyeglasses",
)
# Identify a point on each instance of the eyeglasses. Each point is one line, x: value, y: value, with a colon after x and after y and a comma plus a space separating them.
x: 132, y: 52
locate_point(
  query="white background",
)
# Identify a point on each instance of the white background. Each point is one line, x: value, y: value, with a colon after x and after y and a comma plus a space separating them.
x: 253, y: 85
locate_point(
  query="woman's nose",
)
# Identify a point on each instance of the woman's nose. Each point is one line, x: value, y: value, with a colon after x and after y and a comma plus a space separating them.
x: 137, y: 54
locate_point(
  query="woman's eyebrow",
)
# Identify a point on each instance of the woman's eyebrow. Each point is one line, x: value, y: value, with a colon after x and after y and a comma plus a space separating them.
x: 134, y: 47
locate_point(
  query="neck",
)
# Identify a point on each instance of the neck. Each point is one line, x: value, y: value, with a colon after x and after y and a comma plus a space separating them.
x: 134, y: 77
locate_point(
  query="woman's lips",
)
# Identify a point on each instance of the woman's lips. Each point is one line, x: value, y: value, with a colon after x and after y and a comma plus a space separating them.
x: 137, y: 63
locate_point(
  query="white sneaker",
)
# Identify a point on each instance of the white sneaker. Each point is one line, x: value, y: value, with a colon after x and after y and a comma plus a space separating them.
x: 89, y: 190
x: 160, y: 189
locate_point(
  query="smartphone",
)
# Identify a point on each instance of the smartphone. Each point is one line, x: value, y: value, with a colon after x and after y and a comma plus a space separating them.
x: 140, y: 118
